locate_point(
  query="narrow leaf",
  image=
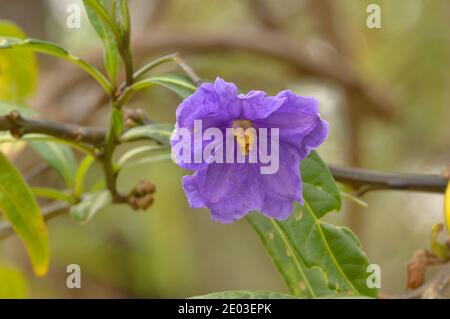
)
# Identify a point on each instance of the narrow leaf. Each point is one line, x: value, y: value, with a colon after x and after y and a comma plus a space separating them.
x: 55, y: 50
x: 58, y: 156
x: 110, y: 51
x: 21, y: 210
x: 179, y: 84
x: 122, y: 19
x: 51, y: 193
x: 80, y: 176
x: 90, y: 205
x: 137, y: 151
x: 160, y: 133
x: 148, y: 160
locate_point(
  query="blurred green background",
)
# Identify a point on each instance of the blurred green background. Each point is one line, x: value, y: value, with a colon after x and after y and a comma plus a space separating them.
x: 174, y: 251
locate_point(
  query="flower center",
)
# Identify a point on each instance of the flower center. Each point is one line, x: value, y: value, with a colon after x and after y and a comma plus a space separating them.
x: 245, y: 135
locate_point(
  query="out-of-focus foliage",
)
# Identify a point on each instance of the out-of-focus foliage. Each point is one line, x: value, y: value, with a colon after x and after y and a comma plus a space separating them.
x: 18, y: 69
x: 13, y: 283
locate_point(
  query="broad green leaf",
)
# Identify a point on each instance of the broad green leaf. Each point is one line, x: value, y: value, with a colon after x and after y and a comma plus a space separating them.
x: 316, y: 259
x: 21, y: 210
x: 90, y: 205
x: 160, y: 133
x: 13, y: 284
x: 301, y: 279
x: 319, y: 187
x: 58, y: 156
x: 246, y: 294
x: 7, y: 43
x: 18, y: 69
x: 111, y: 54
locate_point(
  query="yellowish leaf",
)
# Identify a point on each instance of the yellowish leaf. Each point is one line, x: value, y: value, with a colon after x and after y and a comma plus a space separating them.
x: 18, y: 67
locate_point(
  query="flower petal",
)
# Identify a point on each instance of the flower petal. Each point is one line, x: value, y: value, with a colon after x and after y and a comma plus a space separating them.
x: 258, y: 105
x: 298, y: 121
x: 284, y: 187
x: 230, y: 191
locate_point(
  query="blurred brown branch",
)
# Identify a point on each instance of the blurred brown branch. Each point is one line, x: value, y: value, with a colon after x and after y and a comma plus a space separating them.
x: 275, y: 45
x: 363, y: 181
x: 19, y: 126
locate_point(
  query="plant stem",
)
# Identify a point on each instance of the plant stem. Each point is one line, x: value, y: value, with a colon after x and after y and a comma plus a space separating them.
x: 128, y: 62
x: 107, y: 158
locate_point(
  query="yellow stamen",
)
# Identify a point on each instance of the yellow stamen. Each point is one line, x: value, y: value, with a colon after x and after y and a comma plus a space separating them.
x: 245, y: 135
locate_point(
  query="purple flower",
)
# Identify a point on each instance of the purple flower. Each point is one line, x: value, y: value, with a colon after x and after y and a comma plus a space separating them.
x: 289, y: 124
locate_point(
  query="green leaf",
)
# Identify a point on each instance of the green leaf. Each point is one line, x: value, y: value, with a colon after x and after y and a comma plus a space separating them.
x: 51, y: 193
x: 160, y: 133
x: 153, y: 64
x: 99, y: 8
x: 245, y: 294
x: 90, y: 205
x: 58, y: 156
x: 21, y: 210
x: 148, y: 160
x: 18, y: 69
x: 122, y: 19
x: 54, y: 50
x: 316, y: 259
x: 81, y: 175
x: 13, y: 284
x: 111, y: 54
x: 179, y: 84
x: 319, y: 187
x: 137, y: 151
